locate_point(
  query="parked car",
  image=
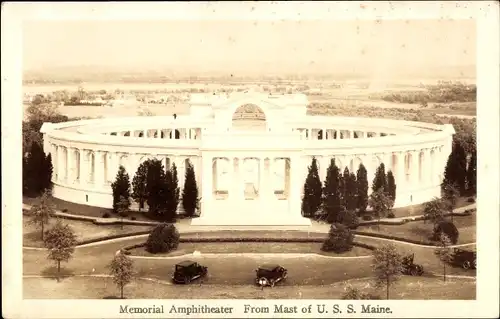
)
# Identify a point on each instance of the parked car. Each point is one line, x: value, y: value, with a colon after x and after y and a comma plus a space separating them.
x: 269, y: 275
x: 464, y: 258
x: 410, y: 268
x: 187, y: 271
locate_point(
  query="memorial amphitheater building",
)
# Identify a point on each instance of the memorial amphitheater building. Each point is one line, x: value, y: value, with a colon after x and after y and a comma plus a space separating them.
x: 250, y: 152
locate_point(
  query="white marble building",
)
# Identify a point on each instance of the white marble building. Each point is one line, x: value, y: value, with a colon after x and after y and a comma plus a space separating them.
x: 250, y: 152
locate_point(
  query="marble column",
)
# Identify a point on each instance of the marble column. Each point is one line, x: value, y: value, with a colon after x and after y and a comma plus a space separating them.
x: 84, y: 167
x: 99, y: 168
x: 206, y: 188
x: 61, y: 163
x: 238, y: 179
x: 294, y: 196
x: 71, y: 165
x: 414, y: 167
x: 54, y: 162
x: 400, y: 170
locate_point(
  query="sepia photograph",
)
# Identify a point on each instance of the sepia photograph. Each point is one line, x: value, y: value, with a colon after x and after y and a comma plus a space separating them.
x: 250, y: 159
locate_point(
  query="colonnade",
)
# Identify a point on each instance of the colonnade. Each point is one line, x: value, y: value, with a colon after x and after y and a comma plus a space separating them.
x: 172, y: 133
x: 334, y: 134
x: 97, y: 168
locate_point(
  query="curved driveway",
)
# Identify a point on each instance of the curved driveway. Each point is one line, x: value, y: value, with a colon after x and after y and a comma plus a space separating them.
x: 232, y: 269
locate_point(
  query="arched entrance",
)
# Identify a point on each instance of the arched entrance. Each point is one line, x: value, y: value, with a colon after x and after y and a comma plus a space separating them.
x: 249, y: 117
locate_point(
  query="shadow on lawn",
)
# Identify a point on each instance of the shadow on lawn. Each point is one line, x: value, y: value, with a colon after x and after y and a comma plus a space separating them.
x: 423, y: 232
x: 51, y: 272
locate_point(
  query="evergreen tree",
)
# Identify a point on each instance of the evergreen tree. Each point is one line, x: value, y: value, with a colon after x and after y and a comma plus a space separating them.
x: 351, y: 202
x: 139, y: 191
x: 37, y: 171
x: 344, y: 184
x: 362, y: 189
x: 175, y: 186
x: 121, y: 190
x: 190, y: 191
x: 380, y: 181
x: 332, y: 193
x: 155, y: 188
x: 472, y: 173
x: 311, y: 201
x: 456, y: 169
x: 391, y: 186
x: 171, y: 201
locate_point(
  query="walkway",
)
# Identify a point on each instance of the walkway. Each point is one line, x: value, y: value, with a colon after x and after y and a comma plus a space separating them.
x: 184, y: 226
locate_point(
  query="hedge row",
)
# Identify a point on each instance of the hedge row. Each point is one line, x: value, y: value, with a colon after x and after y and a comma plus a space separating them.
x: 384, y: 236
x: 95, y: 240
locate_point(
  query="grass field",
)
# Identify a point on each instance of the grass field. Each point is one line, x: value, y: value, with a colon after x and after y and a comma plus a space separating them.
x: 407, y: 288
x: 83, y: 230
x: 267, y: 248
x: 422, y: 230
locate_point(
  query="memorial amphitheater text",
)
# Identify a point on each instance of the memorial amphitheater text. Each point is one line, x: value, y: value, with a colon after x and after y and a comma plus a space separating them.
x: 250, y: 152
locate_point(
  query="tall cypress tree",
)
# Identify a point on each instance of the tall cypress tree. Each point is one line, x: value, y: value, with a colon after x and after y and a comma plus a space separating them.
x: 48, y: 170
x: 351, y: 202
x: 37, y: 171
x: 139, y: 190
x: 472, y: 173
x: 362, y: 188
x: 155, y: 188
x: 379, y: 181
x: 344, y: 185
x: 456, y: 169
x: 175, y: 187
x: 190, y: 191
x: 169, y: 212
x: 121, y: 190
x: 311, y: 201
x: 332, y: 193
x: 391, y: 186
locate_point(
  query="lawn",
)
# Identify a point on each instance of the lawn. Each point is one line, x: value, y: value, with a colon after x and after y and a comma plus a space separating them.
x: 416, y: 210
x: 249, y: 247
x: 422, y: 230
x: 407, y: 288
x: 84, y: 230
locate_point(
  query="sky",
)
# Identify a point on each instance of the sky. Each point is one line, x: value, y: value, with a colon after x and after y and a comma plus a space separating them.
x: 251, y: 46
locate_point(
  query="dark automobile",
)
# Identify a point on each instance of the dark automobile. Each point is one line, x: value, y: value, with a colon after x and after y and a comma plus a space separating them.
x: 187, y: 271
x: 410, y: 268
x: 464, y: 258
x: 269, y: 275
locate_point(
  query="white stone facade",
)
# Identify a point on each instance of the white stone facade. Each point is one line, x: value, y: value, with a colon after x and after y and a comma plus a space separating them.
x: 252, y: 175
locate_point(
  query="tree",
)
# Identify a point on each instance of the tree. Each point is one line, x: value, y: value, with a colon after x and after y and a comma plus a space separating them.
x: 122, y: 270
x: 311, y: 201
x: 139, y: 191
x: 362, y: 189
x: 380, y: 180
x: 162, y: 239
x: 339, y: 239
x: 472, y: 173
x: 435, y: 210
x: 380, y: 203
x: 190, y: 191
x: 391, y: 186
x: 121, y: 190
x: 122, y: 208
x: 60, y: 241
x: 37, y: 171
x: 456, y: 169
x: 332, y: 193
x: 447, y: 228
x: 349, y: 219
x: 444, y: 252
x: 156, y: 186
x: 42, y: 212
x: 387, y: 266
x: 350, y: 194
x: 450, y: 196
x: 175, y: 188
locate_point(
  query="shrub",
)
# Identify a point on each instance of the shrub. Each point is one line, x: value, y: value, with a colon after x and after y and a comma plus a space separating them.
x: 350, y: 219
x: 391, y: 215
x: 447, y: 228
x: 356, y: 294
x: 340, y: 239
x: 133, y: 218
x: 106, y: 215
x: 162, y: 239
x: 65, y: 210
x: 367, y: 217
x: 471, y: 200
